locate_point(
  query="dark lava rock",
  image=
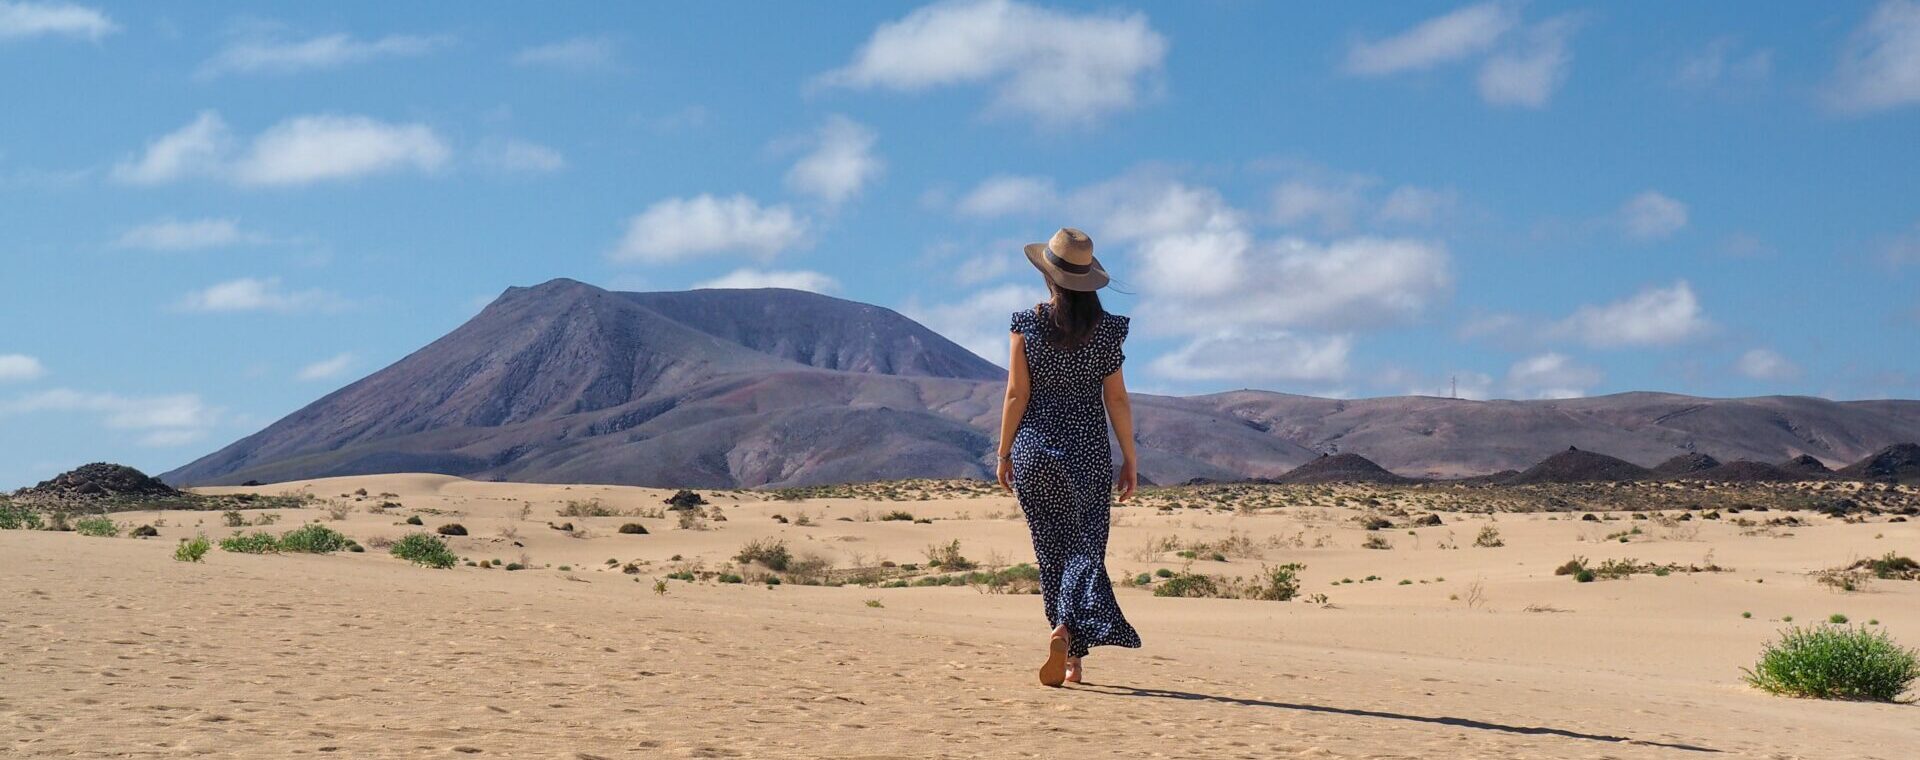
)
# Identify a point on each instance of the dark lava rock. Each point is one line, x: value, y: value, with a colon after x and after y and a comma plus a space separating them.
x: 100, y: 480
x: 144, y: 531
x: 1899, y: 463
x: 1427, y: 520
x: 1806, y: 467
x: 1342, y: 468
x: 1576, y: 466
x: 1684, y: 464
x: 634, y: 529
x: 1745, y: 471
x: 685, y: 499
x: 1589, y: 517
x: 453, y: 529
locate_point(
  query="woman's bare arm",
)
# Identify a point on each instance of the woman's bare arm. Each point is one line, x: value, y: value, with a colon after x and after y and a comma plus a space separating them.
x: 1120, y: 413
x: 1015, y: 408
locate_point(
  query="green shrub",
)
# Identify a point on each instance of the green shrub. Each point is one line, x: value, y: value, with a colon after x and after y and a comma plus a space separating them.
x: 257, y: 542
x: 769, y: 552
x: 1277, y: 584
x: 947, y: 557
x: 1188, y: 584
x: 1163, y: 573
x: 233, y: 518
x: 102, y: 527
x: 193, y: 549
x: 1837, y: 619
x: 1584, y: 576
x: 898, y: 515
x: 15, y: 517
x: 423, y: 549
x: 730, y: 578
x: 1829, y: 662
x: 313, y: 538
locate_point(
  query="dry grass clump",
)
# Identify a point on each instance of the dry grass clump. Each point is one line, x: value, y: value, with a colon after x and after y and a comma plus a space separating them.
x: 1273, y: 584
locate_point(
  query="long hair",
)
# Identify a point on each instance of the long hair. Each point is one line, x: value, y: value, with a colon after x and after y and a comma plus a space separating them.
x: 1075, y: 314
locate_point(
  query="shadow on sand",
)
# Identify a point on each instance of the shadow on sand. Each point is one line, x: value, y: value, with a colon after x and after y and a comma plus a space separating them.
x: 1131, y: 691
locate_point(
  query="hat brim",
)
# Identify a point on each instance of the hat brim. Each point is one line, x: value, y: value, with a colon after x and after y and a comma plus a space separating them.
x: 1092, y: 279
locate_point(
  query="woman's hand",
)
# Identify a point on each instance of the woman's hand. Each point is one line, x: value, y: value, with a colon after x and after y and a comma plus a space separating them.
x: 1005, y: 473
x: 1129, y: 479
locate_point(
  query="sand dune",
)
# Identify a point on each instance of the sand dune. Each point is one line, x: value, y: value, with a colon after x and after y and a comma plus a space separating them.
x: 114, y: 649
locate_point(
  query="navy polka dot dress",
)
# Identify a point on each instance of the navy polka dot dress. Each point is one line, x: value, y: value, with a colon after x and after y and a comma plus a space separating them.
x: 1063, y: 477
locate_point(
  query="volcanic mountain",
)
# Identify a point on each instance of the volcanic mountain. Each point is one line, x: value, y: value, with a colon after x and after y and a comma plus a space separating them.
x: 566, y: 382
x: 1341, y: 468
x: 1576, y: 466
x: 1684, y: 464
x: 1899, y: 463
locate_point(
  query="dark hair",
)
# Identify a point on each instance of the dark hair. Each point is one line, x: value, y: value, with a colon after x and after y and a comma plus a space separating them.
x: 1075, y: 314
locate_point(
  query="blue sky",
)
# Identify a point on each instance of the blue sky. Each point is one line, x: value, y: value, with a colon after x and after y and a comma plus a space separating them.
x: 213, y: 213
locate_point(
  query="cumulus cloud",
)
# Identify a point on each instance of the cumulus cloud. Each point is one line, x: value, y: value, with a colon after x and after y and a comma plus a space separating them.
x: 1450, y: 37
x: 1879, y: 65
x: 1009, y: 195
x: 186, y: 235
x: 326, y: 369
x: 759, y: 278
x: 1221, y: 276
x: 23, y: 20
x: 167, y: 420
x: 1550, y: 375
x: 578, y: 53
x: 1058, y: 68
x: 278, y: 56
x: 258, y: 294
x: 20, y: 367
x: 978, y: 322
x: 511, y: 155
x: 299, y: 150
x: 679, y: 228
x: 1332, y: 205
x: 1409, y: 204
x: 1722, y: 62
x: 1528, y: 74
x: 838, y: 164
x: 1652, y: 215
x: 1269, y: 355
x: 1655, y: 316
x: 1766, y: 364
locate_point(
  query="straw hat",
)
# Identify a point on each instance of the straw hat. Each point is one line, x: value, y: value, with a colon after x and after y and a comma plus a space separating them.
x: 1067, y: 260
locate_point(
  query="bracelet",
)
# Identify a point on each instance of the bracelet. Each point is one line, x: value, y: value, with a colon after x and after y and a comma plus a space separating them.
x: 1006, y: 457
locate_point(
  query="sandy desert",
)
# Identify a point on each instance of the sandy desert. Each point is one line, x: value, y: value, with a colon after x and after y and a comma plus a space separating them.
x: 1431, y: 645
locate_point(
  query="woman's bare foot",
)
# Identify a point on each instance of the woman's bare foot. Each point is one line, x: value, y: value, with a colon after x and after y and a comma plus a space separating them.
x: 1074, y: 670
x: 1054, y: 671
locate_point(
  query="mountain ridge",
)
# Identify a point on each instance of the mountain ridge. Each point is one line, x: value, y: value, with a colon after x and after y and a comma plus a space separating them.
x: 568, y: 382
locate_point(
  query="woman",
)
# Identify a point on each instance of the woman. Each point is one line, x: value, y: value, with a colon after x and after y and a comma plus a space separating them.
x: 1063, y: 389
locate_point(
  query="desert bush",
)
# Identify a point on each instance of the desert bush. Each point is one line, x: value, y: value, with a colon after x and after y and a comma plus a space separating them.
x: 1376, y: 541
x: 770, y: 553
x: 1489, y: 538
x: 424, y: 549
x: 634, y: 529
x: 452, y: 529
x: 947, y: 556
x: 898, y: 515
x: 1018, y: 579
x: 99, y: 526
x: 588, y: 508
x: 1890, y: 566
x: 1831, y: 662
x: 15, y: 517
x: 691, y: 519
x: 257, y: 542
x: 338, y: 510
x: 1573, y: 566
x: 192, y: 549
x: 809, y: 569
x: 1188, y: 584
x: 313, y: 538
x: 233, y: 518
x: 1276, y: 584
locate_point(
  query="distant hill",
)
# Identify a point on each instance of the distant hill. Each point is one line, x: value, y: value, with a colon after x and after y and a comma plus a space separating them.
x: 566, y: 382
x: 1685, y: 464
x: 1341, y: 468
x: 1576, y: 466
x: 1899, y: 463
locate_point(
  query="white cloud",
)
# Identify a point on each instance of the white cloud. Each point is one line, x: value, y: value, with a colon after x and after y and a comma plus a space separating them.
x: 1766, y: 364
x: 185, y: 235
x: 1722, y: 62
x: 578, y: 53
x: 1138, y: 206
x: 512, y: 155
x: 760, y: 278
x: 978, y: 322
x: 1058, y: 68
x: 168, y: 420
x: 1651, y: 215
x: 197, y: 149
x: 326, y: 369
x: 840, y: 163
x: 1009, y: 195
x: 1219, y: 277
x: 1528, y: 74
x: 1653, y: 317
x: 1270, y: 356
x: 257, y: 294
x: 1879, y: 66
x: 308, y: 149
x: 987, y: 266
x: 299, y: 150
x: 678, y: 228
x: 1450, y: 37
x: 1408, y: 204
x: 1333, y: 204
x: 23, y: 20
x: 1550, y: 375
x: 276, y: 56
x: 17, y: 367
